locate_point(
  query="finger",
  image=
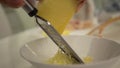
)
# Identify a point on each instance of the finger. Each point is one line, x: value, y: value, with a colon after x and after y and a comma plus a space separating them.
x: 80, y: 4
x: 12, y: 3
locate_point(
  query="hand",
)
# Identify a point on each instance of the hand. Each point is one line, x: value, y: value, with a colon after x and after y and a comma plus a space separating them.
x: 12, y: 3
x: 18, y: 3
x: 80, y: 3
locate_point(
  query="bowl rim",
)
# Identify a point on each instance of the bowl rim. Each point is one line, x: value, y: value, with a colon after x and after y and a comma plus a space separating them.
x: 70, y: 65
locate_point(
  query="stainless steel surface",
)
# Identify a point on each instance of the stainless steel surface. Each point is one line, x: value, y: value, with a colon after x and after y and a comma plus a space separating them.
x: 29, y: 8
x: 51, y: 32
x: 57, y: 39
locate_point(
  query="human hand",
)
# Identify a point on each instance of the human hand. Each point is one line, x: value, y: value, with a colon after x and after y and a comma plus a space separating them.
x: 80, y: 3
x: 12, y: 3
x: 18, y: 3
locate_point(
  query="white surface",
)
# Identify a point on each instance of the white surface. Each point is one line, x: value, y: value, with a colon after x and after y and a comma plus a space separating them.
x: 99, y: 49
x: 9, y: 47
x: 13, y: 21
x: 4, y: 26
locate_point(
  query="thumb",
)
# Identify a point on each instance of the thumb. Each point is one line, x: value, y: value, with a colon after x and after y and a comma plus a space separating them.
x: 13, y: 3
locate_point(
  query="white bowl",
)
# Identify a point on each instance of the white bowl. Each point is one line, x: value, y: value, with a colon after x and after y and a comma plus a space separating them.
x: 105, y: 53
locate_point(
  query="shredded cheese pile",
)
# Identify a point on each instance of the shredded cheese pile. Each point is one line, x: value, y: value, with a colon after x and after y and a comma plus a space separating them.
x: 61, y: 59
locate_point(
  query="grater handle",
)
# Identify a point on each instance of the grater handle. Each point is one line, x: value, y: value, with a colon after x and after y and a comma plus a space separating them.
x: 29, y: 8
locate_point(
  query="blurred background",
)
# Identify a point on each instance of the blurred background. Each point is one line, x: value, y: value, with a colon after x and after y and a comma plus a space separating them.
x: 94, y: 12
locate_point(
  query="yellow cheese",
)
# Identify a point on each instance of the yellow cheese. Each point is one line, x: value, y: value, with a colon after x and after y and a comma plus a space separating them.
x: 57, y: 12
x: 61, y: 59
x: 88, y: 59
